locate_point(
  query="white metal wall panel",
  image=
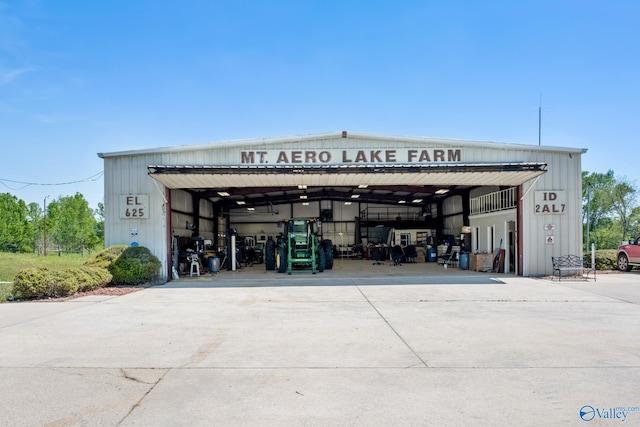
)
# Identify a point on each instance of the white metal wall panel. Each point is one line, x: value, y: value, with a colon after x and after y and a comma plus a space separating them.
x: 308, y: 211
x: 481, y: 191
x: 181, y: 201
x: 452, y: 205
x: 564, y: 173
x: 128, y: 176
x: 453, y: 225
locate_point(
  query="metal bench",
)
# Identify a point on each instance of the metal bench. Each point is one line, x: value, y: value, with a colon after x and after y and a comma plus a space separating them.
x: 579, y: 265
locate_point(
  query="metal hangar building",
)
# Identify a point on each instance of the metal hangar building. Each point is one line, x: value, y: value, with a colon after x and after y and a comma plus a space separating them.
x: 364, y: 188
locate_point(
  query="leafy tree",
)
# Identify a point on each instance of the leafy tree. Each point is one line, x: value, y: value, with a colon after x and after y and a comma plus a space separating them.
x: 99, y: 227
x: 16, y: 232
x: 623, y: 199
x: 36, y: 219
x: 608, y: 235
x: 634, y: 223
x: 610, y: 209
x: 596, y: 199
x: 72, y: 223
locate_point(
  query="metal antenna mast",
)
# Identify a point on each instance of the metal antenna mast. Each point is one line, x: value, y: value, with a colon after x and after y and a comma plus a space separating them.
x: 540, y: 121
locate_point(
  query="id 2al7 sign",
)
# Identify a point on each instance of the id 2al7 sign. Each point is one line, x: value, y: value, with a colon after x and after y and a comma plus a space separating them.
x: 550, y: 202
x: 134, y: 206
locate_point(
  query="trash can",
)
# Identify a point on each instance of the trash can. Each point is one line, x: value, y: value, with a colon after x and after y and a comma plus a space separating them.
x: 464, y: 261
x: 432, y: 255
x: 214, y: 264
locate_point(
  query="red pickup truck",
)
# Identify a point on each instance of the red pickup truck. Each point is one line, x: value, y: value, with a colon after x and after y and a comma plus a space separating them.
x: 629, y: 255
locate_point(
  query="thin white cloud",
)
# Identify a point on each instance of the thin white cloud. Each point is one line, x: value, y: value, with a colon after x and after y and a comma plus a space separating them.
x: 9, y: 76
x: 54, y: 119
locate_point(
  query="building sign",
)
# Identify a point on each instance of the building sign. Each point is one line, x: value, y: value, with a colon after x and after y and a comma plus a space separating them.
x: 550, y: 202
x: 134, y: 206
x: 436, y: 155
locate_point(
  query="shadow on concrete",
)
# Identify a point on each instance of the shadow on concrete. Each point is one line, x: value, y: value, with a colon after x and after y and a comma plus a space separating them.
x: 354, y: 273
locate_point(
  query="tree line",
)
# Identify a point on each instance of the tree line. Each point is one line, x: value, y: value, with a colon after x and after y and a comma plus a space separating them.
x: 610, y: 211
x: 68, y: 224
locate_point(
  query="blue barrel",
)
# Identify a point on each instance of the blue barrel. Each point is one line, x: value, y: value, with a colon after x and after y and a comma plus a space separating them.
x: 214, y: 264
x: 432, y: 255
x: 464, y: 261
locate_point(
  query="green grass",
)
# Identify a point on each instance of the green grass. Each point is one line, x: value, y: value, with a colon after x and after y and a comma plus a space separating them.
x: 11, y: 264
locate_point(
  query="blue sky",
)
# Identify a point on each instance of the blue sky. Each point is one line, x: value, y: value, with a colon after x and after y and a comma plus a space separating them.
x: 81, y: 77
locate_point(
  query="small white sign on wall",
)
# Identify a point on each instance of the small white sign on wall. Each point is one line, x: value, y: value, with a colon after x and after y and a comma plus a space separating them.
x: 550, y: 202
x: 134, y: 206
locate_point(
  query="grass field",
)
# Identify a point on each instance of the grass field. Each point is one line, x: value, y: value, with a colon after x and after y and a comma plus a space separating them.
x: 11, y: 264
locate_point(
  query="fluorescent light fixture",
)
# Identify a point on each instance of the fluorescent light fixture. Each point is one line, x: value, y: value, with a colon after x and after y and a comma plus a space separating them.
x: 402, y: 201
x: 302, y: 186
x: 416, y: 201
x: 347, y: 203
x: 241, y: 202
x: 442, y: 191
x: 251, y: 209
x: 355, y: 196
x: 303, y: 196
x: 223, y: 194
x: 363, y: 186
x: 305, y: 203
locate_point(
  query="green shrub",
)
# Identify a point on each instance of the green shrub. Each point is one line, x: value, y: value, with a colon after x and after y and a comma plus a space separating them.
x: 101, y: 276
x: 90, y: 278
x: 44, y: 283
x: 32, y: 283
x: 135, y: 266
x: 605, y: 259
x: 116, y: 265
x: 65, y: 283
x: 106, y: 257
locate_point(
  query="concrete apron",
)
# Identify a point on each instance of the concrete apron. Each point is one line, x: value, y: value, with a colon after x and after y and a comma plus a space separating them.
x: 362, y: 345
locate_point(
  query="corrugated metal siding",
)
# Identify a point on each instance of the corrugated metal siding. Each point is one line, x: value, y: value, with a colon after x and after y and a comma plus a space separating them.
x: 564, y: 173
x: 128, y: 175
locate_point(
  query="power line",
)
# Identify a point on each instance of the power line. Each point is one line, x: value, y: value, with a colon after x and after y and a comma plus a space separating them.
x: 4, y: 181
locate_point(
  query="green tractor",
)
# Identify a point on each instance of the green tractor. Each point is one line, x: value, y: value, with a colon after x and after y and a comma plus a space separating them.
x: 299, y: 247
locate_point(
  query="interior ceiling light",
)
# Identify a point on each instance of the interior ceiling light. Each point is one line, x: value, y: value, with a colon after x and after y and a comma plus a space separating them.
x: 355, y: 196
x: 251, y: 209
x: 241, y: 202
x: 416, y: 201
x: 223, y: 194
x: 305, y: 203
x: 347, y: 203
x: 303, y: 196
x: 302, y: 186
x: 402, y: 201
x: 363, y: 186
x: 442, y: 191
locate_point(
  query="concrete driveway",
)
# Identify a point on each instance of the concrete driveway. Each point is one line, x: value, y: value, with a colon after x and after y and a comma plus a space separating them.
x: 359, y: 345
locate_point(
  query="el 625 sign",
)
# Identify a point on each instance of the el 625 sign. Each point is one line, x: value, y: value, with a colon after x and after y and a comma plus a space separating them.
x: 134, y: 206
x: 550, y: 202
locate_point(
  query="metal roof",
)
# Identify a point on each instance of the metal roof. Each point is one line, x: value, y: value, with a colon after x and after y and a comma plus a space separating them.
x: 338, y: 135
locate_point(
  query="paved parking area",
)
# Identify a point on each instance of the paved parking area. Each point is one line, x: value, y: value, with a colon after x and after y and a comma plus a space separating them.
x: 357, y: 345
